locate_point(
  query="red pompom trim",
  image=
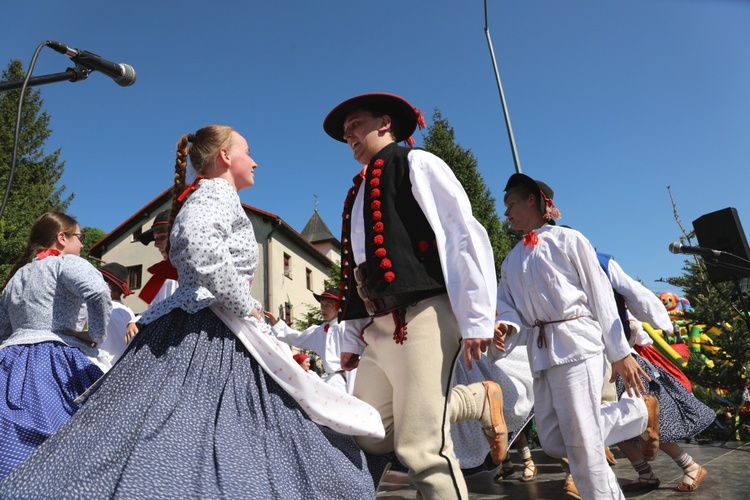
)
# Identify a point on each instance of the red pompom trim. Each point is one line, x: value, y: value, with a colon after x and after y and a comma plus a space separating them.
x: 389, y: 276
x: 374, y: 182
x: 386, y: 264
x: 377, y: 215
x: 376, y: 172
x: 375, y: 193
x: 378, y: 227
x: 375, y: 205
x: 380, y: 252
x: 423, y: 246
x: 378, y: 240
x: 379, y: 163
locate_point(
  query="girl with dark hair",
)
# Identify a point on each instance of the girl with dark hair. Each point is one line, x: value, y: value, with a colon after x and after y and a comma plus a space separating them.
x: 202, y: 404
x: 46, y: 362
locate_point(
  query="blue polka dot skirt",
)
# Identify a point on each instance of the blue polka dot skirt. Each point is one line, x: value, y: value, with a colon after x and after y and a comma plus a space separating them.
x: 188, y: 413
x: 681, y: 415
x: 38, y: 386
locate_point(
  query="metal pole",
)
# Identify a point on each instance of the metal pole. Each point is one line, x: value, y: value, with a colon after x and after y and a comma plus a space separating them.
x: 502, y: 95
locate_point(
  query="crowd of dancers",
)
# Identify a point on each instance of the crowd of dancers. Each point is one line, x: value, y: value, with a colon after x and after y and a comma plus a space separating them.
x: 428, y: 363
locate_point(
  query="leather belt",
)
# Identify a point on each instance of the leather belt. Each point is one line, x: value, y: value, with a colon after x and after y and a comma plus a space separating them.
x: 542, y: 340
x: 380, y: 306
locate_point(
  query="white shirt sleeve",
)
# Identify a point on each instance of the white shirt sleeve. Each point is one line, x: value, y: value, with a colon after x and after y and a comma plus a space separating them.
x: 642, y: 303
x: 463, y: 245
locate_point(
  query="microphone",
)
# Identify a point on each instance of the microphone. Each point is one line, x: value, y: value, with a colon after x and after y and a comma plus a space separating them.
x: 677, y: 247
x: 122, y: 74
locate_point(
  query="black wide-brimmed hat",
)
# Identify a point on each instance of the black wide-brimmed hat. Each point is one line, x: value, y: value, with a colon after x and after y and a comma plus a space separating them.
x: 331, y: 293
x: 547, y: 205
x: 117, y: 274
x: 161, y: 221
x: 404, y: 116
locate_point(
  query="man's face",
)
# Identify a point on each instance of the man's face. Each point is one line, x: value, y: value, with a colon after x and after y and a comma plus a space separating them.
x: 161, y: 236
x: 366, y: 135
x: 328, y: 309
x: 520, y: 212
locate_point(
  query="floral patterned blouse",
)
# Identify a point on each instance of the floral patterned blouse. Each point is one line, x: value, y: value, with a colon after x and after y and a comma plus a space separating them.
x: 44, y: 299
x: 213, y: 248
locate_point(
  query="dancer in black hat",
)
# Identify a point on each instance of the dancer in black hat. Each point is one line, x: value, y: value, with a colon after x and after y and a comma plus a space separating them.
x: 418, y: 284
x: 121, y: 327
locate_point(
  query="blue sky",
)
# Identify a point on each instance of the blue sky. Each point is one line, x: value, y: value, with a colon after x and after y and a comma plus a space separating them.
x: 611, y: 102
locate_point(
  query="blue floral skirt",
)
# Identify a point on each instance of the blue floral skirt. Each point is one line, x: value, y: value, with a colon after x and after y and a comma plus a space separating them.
x: 681, y: 414
x: 38, y: 387
x: 187, y: 412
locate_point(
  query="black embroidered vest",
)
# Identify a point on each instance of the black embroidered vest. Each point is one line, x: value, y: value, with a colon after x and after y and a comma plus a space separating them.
x: 400, y: 246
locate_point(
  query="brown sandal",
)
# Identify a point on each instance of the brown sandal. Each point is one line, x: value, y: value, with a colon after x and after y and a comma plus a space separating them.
x: 496, y: 433
x: 698, y: 478
x: 529, y: 470
x: 650, y: 445
x: 642, y: 483
x: 506, y: 470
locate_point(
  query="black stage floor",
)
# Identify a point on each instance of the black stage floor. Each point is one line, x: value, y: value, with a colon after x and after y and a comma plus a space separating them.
x: 727, y: 464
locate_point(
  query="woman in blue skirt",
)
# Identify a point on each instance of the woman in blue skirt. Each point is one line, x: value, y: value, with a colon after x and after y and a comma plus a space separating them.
x: 46, y: 362
x: 202, y: 404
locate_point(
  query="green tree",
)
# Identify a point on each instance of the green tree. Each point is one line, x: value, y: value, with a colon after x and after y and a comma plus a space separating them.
x: 440, y: 140
x: 92, y: 234
x: 717, y: 368
x: 35, y: 188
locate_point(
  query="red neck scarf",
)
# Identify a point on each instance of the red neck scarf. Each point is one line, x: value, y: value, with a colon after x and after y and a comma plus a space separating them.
x: 46, y: 253
x: 161, y: 271
x: 530, y: 239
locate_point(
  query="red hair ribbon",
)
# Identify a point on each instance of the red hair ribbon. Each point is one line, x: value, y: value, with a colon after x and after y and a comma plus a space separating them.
x: 192, y: 187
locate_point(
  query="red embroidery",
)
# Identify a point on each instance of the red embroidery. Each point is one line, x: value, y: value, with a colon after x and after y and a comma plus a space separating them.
x: 423, y: 246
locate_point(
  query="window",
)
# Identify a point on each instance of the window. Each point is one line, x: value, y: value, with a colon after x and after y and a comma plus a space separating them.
x: 308, y: 278
x: 135, y: 274
x: 288, y: 313
x: 288, y: 265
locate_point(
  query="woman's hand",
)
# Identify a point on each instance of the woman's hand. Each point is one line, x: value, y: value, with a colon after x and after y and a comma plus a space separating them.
x: 130, y: 331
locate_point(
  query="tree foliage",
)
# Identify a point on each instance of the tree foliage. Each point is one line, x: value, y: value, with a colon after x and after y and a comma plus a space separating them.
x: 440, y: 140
x: 718, y: 368
x: 35, y: 188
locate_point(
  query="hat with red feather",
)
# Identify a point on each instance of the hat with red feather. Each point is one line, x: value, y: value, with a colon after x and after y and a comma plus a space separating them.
x: 404, y: 117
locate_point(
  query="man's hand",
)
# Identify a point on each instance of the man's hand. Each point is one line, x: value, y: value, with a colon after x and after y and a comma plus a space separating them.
x: 349, y: 361
x: 473, y: 349
x: 271, y: 317
x: 502, y: 331
x: 630, y: 372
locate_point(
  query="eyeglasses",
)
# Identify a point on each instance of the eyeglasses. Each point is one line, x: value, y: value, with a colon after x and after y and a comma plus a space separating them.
x: 81, y: 237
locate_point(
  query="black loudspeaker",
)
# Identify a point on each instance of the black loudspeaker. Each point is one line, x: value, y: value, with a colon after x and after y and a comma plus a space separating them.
x: 722, y: 230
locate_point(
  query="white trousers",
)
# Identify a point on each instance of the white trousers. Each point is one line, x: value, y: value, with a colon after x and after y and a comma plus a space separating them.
x: 572, y: 422
x: 409, y: 385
